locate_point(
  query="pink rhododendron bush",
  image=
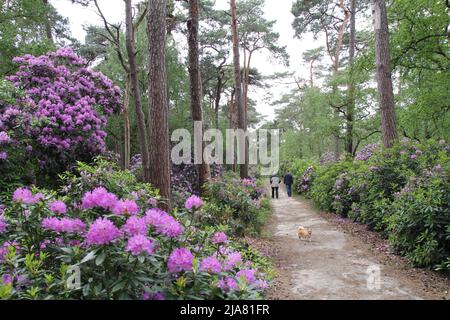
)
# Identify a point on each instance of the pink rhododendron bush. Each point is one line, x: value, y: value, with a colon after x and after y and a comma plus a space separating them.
x: 58, y: 115
x: 102, y: 236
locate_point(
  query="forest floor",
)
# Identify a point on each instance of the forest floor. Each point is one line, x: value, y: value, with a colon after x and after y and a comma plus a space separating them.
x: 338, y: 261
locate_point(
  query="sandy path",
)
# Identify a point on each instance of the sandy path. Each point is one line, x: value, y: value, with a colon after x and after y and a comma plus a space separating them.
x: 334, y: 265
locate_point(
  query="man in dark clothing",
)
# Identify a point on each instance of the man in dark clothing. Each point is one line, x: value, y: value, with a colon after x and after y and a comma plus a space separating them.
x: 288, y: 181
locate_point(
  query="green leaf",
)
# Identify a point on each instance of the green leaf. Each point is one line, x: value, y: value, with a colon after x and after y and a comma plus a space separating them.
x: 100, y: 258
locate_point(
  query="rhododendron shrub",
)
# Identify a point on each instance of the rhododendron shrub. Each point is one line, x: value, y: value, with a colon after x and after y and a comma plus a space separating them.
x: 63, y: 110
x: 142, y: 253
x: 235, y: 202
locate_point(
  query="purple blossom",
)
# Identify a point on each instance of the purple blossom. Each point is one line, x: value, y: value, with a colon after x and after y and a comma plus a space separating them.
x: 153, y: 296
x: 193, y: 202
x: 63, y: 225
x: 58, y: 207
x: 247, y: 274
x: 140, y: 244
x: 3, y: 155
x: 180, y: 260
x: 99, y: 197
x: 232, y: 260
x: 102, y: 231
x: 25, y: 196
x: 4, y: 138
x: 125, y: 207
x: 367, y: 152
x: 219, y: 238
x: 211, y: 265
x: 3, y: 224
x: 227, y: 284
x: 163, y: 223
x: 135, y: 226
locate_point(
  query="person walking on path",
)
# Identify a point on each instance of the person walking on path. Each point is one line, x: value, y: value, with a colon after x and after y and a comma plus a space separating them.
x: 275, y: 184
x: 288, y: 181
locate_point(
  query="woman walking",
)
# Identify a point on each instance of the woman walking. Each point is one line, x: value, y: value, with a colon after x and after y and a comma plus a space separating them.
x: 275, y: 184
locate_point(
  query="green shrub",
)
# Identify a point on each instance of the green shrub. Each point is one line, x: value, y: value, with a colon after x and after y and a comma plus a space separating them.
x: 239, y: 201
x: 322, y: 188
x: 419, y: 226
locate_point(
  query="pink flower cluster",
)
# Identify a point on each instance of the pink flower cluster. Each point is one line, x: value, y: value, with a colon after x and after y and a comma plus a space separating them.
x: 58, y: 206
x: 125, y: 207
x: 180, y: 260
x: 99, y: 197
x: 232, y: 260
x: 247, y: 274
x: 219, y: 238
x: 69, y: 102
x: 3, y: 224
x: 63, y: 225
x: 193, y: 202
x: 25, y: 196
x: 102, y: 231
x: 163, y: 223
x: 140, y: 244
x: 135, y: 226
x: 211, y: 265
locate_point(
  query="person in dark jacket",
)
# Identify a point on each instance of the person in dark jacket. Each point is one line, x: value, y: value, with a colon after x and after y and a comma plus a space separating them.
x: 288, y: 181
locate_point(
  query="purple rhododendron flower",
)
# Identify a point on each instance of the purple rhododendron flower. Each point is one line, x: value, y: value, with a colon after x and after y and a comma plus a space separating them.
x: 163, y: 223
x: 180, y: 260
x: 247, y: 274
x: 3, y: 224
x: 125, y: 207
x: 219, y: 237
x: 99, y: 197
x: 261, y: 284
x: 135, y: 226
x: 102, y: 231
x: 227, y: 284
x: 25, y: 196
x: 58, y: 207
x: 4, y: 138
x: 153, y: 296
x: 63, y: 225
x: 140, y: 244
x: 3, y: 155
x: 193, y: 202
x: 232, y: 260
x: 211, y: 265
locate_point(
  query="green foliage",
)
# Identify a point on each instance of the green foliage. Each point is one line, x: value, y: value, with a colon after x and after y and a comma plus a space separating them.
x: 240, y: 206
x: 324, y: 182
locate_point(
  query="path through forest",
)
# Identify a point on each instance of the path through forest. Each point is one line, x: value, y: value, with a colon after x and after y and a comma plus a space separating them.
x: 335, y: 264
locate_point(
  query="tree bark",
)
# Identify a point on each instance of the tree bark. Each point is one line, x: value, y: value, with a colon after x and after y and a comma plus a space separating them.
x: 134, y: 86
x: 195, y: 84
x: 126, y: 130
x: 159, y: 107
x: 351, y: 86
x: 238, y: 82
x: 384, y: 76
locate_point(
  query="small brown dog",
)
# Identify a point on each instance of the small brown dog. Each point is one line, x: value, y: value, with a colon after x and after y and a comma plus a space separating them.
x: 304, y: 233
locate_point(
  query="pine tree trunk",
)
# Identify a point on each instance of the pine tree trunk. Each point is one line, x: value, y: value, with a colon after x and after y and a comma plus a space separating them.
x: 159, y: 107
x: 195, y: 84
x: 384, y: 76
x: 126, y: 130
x: 351, y: 86
x: 238, y: 82
x: 134, y: 86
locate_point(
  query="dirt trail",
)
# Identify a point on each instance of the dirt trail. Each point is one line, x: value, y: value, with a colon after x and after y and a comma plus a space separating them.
x: 334, y: 265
